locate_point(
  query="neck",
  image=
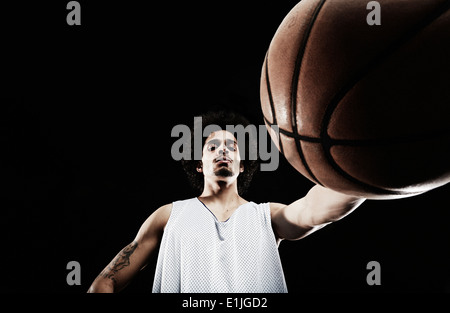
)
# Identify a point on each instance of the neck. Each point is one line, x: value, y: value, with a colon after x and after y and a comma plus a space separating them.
x: 220, y: 191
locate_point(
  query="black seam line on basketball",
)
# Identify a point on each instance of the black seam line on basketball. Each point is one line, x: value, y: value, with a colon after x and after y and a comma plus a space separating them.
x: 294, y: 87
x: 293, y: 135
x: 272, y: 106
x: 326, y: 140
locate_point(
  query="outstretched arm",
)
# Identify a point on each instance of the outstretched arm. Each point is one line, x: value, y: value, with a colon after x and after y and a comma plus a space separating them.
x: 318, y: 208
x: 131, y: 259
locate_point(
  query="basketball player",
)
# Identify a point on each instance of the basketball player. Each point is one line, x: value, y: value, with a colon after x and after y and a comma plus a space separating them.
x: 218, y: 241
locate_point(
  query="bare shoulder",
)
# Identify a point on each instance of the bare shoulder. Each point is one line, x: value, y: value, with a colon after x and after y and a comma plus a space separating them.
x: 163, y: 213
x: 276, y: 207
x: 276, y: 212
x: 156, y: 222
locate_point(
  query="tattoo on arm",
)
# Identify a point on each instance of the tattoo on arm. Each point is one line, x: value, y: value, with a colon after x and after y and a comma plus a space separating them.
x: 121, y: 261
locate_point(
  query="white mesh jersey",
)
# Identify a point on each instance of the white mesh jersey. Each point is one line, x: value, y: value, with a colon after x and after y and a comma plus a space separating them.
x: 198, y: 253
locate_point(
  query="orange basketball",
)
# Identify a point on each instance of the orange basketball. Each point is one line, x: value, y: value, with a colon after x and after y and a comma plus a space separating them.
x: 362, y: 109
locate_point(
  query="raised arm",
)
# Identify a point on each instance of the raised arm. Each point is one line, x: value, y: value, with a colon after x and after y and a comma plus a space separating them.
x: 318, y: 208
x: 131, y: 259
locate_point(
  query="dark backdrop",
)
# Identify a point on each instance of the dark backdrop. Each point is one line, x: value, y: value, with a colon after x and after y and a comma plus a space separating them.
x: 86, y: 114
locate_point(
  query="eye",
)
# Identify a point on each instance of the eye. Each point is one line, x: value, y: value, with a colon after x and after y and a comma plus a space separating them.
x: 232, y: 147
x: 212, y: 147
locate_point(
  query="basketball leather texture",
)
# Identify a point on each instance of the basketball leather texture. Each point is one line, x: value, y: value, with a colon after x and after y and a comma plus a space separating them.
x: 362, y: 109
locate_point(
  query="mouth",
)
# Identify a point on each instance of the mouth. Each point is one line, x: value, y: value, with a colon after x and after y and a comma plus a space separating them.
x: 223, y: 160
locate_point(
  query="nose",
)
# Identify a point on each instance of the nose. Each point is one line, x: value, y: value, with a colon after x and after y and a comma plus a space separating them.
x: 224, y: 150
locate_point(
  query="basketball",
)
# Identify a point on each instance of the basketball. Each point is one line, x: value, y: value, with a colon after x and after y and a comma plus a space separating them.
x: 362, y: 108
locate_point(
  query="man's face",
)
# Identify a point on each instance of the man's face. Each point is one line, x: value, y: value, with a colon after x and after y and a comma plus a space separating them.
x: 221, y: 157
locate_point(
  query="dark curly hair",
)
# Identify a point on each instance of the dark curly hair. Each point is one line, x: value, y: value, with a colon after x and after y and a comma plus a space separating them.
x: 222, y: 119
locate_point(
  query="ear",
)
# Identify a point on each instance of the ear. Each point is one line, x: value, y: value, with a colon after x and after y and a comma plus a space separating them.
x: 199, y: 167
x: 241, y: 167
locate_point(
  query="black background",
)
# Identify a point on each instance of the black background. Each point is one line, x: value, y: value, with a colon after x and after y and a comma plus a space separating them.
x: 86, y: 114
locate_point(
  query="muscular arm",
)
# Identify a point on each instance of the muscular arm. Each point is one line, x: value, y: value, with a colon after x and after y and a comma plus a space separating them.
x: 131, y: 259
x: 318, y: 208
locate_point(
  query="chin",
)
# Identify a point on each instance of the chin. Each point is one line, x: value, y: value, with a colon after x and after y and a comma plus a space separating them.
x: 224, y: 172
